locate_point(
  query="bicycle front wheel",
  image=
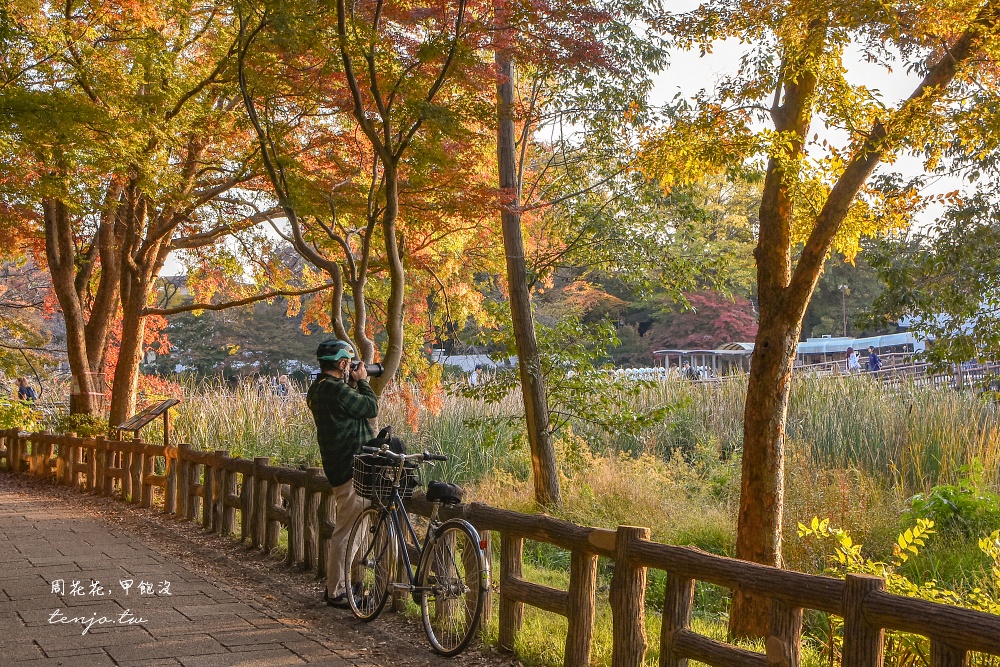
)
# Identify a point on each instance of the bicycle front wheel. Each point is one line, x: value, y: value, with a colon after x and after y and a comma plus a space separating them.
x: 371, y: 560
x: 452, y: 581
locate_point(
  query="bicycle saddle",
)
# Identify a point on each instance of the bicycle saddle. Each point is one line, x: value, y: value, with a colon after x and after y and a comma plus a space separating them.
x: 444, y: 492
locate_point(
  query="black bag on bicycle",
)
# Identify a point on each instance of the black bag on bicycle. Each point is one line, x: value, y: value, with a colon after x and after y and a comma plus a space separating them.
x: 444, y: 492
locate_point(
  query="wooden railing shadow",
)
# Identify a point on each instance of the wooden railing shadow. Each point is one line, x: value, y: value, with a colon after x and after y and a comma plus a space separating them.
x: 212, y: 488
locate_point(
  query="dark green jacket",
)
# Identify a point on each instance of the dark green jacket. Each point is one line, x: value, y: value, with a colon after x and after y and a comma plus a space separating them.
x: 341, y: 414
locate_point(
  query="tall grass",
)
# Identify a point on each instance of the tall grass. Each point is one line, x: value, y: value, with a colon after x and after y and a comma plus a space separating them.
x: 914, y: 437
x: 909, y: 437
x: 248, y: 423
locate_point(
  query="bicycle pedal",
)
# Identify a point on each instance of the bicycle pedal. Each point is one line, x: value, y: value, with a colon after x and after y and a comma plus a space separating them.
x: 399, y: 586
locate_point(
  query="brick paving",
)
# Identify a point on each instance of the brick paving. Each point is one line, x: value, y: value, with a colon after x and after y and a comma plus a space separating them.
x: 197, y: 622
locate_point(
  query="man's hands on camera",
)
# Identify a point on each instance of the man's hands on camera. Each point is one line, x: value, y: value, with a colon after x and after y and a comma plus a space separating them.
x: 358, y: 371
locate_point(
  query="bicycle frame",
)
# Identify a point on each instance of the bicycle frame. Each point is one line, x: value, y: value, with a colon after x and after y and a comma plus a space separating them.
x: 395, y: 508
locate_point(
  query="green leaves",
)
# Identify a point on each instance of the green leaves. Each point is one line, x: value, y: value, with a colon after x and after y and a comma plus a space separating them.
x: 908, y: 541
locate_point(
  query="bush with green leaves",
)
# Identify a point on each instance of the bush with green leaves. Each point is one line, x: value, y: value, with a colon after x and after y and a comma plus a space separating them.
x: 19, y: 414
x: 966, y: 507
x: 847, y: 557
x: 85, y: 426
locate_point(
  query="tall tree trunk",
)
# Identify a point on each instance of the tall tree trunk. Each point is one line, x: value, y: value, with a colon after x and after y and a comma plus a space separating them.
x: 762, y: 494
x: 105, y: 305
x: 126, y: 380
x: 60, y: 251
x: 536, y: 409
x: 393, y: 353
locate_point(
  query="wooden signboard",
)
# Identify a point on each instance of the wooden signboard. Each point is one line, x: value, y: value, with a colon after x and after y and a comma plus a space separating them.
x: 141, y: 419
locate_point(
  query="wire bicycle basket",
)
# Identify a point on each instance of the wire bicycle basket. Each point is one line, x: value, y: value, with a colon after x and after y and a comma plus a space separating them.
x: 374, y: 474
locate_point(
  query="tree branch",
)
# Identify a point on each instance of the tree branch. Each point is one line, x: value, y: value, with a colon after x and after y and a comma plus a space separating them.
x: 233, y: 304
x: 212, y: 235
x: 872, y: 150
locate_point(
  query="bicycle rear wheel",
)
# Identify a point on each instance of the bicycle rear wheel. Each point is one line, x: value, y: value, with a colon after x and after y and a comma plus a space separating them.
x: 454, y: 578
x: 371, y: 560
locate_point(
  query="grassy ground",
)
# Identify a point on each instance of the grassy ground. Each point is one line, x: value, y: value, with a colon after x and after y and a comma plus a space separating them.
x: 857, y: 452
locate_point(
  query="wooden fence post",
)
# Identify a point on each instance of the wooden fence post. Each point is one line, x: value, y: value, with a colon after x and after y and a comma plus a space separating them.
x: 135, y: 470
x: 628, y: 601
x: 272, y: 526
x: 125, y: 454
x: 92, y: 468
x: 146, y: 471
x: 296, y: 528
x: 183, y: 481
x: 207, y: 494
x: 100, y: 465
x: 194, y: 500
x: 227, y: 489
x: 170, y: 487
x: 582, y: 590
x: 487, y: 540
x: 511, y: 567
x: 246, y: 506
x: 219, y: 489
x: 260, y: 502
x: 863, y: 644
x: 677, y: 600
x: 943, y: 655
x: 108, y: 483
x: 784, y: 641
x: 311, y: 520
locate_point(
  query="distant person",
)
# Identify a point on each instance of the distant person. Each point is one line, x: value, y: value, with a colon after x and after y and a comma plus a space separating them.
x: 284, y: 386
x: 476, y: 376
x: 853, y: 363
x: 688, y: 372
x: 874, y: 362
x: 24, y: 391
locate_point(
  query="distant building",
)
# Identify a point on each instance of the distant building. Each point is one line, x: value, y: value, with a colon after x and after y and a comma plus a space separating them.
x: 468, y: 362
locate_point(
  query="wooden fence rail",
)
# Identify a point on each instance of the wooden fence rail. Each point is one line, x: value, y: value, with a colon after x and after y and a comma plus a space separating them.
x: 212, y: 487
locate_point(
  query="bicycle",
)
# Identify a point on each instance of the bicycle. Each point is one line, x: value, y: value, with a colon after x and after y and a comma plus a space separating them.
x: 448, y: 575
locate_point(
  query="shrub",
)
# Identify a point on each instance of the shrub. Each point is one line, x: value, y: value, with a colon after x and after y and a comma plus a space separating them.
x: 85, y: 426
x: 847, y: 558
x: 19, y: 414
x: 965, y: 507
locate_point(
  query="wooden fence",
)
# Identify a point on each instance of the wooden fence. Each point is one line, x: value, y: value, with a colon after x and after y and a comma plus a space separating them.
x: 206, y: 487
x: 210, y: 487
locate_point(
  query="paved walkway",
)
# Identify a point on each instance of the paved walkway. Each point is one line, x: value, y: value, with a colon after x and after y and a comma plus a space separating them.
x: 55, y: 614
x: 77, y: 587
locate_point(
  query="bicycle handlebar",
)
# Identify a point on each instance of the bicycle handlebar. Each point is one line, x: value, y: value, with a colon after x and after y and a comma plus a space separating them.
x: 388, y: 453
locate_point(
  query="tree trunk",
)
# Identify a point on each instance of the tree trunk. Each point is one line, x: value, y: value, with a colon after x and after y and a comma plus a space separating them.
x: 758, y: 536
x: 536, y: 410
x: 126, y: 380
x: 393, y: 353
x: 337, y: 303
x: 60, y: 252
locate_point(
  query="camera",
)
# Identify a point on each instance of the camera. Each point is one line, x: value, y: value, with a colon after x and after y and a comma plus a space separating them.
x: 374, y: 370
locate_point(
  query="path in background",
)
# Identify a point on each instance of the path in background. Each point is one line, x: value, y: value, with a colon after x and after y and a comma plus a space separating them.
x: 223, y: 606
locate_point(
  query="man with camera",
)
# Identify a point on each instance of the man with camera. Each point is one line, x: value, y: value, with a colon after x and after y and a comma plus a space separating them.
x: 341, y: 402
